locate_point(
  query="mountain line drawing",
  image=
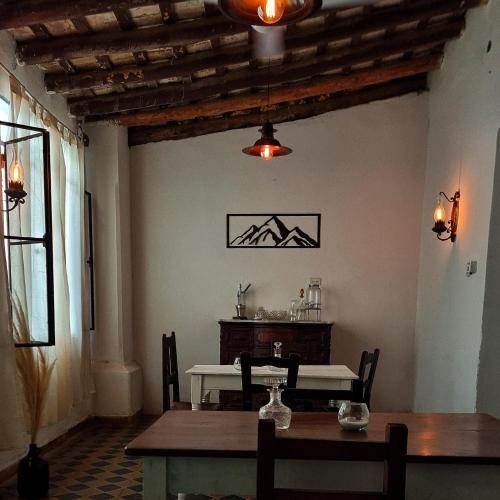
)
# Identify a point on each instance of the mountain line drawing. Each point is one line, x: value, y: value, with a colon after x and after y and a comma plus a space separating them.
x: 274, y: 233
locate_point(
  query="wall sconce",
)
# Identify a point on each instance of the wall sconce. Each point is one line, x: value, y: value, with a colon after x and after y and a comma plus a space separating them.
x: 15, y: 182
x: 440, y: 224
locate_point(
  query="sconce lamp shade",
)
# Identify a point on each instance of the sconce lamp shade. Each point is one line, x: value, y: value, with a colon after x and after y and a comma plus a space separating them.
x: 268, y: 12
x: 267, y: 147
x: 16, y: 176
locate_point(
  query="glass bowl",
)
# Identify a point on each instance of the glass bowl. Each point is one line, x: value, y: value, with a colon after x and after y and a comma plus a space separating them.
x: 353, y: 416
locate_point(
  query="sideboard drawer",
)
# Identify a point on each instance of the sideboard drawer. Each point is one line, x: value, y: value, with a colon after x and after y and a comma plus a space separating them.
x: 237, y: 337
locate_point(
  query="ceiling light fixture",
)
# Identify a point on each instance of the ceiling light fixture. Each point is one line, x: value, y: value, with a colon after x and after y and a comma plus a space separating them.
x: 267, y: 147
x: 268, y: 12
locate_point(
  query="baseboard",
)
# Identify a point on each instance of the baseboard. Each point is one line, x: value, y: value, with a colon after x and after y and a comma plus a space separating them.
x: 119, y: 421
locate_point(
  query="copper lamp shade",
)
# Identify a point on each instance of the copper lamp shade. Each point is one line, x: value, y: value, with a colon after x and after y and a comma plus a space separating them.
x: 268, y: 12
x: 267, y: 147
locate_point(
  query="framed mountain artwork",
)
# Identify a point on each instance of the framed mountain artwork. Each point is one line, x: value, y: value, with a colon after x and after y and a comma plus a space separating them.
x: 273, y: 230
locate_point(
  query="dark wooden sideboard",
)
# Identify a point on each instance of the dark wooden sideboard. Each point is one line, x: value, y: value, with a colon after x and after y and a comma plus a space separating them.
x: 310, y: 340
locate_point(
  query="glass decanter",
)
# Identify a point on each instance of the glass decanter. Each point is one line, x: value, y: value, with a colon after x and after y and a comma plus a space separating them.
x: 275, y: 409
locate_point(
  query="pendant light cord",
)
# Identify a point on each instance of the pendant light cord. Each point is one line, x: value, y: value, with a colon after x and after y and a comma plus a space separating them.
x: 268, y: 87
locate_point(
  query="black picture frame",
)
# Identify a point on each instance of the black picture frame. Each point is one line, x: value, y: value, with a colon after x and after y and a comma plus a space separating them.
x: 310, y: 242
x: 90, y: 258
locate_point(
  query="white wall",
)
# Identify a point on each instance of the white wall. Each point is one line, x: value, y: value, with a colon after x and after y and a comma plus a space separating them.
x: 488, y: 393
x: 362, y: 168
x: 464, y: 117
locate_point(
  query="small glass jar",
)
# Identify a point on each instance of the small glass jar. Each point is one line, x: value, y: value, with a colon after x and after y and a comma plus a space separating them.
x: 275, y: 409
x: 353, y: 416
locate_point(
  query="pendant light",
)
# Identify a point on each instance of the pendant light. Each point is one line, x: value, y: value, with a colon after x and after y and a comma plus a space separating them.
x: 268, y: 12
x: 267, y: 147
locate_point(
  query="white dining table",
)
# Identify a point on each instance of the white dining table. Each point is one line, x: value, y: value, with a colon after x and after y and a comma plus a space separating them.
x: 206, y: 378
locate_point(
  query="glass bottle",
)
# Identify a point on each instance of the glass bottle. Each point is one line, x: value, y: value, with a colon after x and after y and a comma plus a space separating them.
x: 301, y: 307
x: 275, y: 409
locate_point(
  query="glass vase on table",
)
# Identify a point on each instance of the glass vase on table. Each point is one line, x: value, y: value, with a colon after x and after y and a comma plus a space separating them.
x: 275, y: 409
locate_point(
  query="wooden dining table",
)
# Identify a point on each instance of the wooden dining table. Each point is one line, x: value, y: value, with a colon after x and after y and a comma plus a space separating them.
x: 450, y: 456
x: 206, y: 378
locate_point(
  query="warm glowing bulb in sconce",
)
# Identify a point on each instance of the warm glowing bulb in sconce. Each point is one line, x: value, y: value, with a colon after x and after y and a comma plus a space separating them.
x: 439, y: 212
x: 16, y: 175
x: 266, y: 153
x: 271, y: 11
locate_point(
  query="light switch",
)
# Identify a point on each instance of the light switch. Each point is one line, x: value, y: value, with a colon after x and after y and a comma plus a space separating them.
x: 471, y: 268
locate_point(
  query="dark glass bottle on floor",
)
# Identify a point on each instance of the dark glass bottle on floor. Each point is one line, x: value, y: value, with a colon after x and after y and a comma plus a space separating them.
x: 33, y: 475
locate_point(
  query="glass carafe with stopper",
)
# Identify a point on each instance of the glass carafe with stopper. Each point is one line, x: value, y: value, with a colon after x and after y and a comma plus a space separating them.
x: 275, y: 409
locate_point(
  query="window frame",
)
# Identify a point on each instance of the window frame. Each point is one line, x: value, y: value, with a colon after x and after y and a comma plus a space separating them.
x: 46, y: 239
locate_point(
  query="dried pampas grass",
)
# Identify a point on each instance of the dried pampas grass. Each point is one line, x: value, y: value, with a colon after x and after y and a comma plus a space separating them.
x: 33, y: 368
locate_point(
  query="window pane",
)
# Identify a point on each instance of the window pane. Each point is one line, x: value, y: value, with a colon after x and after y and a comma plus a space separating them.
x: 28, y: 284
x: 27, y: 219
x: 4, y: 117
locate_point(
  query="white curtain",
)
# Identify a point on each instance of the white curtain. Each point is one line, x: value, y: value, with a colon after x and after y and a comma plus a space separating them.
x: 11, y: 430
x: 70, y: 380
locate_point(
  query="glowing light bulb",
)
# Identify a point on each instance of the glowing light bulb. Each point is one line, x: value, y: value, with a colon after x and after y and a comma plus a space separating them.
x: 266, y: 153
x: 439, y: 212
x: 271, y: 11
x: 16, y: 175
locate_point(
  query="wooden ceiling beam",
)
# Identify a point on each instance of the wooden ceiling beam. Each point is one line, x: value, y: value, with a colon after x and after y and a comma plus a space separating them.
x: 24, y: 12
x: 345, y: 57
x: 292, y: 112
x: 316, y: 87
x: 181, y: 67
x: 98, y: 44
x: 199, y: 30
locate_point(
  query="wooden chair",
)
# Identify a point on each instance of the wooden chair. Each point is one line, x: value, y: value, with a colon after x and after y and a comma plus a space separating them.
x: 249, y: 389
x: 170, y: 376
x: 304, y: 399
x: 392, y: 452
x: 368, y: 359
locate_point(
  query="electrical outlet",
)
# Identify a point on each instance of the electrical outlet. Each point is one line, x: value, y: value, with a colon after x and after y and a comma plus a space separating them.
x: 471, y: 268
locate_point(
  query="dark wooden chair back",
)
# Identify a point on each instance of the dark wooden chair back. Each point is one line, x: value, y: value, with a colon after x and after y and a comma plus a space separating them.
x: 170, y: 371
x: 392, y: 452
x: 368, y: 359
x: 247, y: 361
x: 303, y: 399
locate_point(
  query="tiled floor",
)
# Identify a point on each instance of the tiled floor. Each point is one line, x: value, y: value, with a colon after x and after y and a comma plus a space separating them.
x: 93, y: 466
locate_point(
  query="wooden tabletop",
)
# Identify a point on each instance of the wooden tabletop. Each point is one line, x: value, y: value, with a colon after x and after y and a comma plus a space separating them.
x: 305, y: 371
x: 432, y: 437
